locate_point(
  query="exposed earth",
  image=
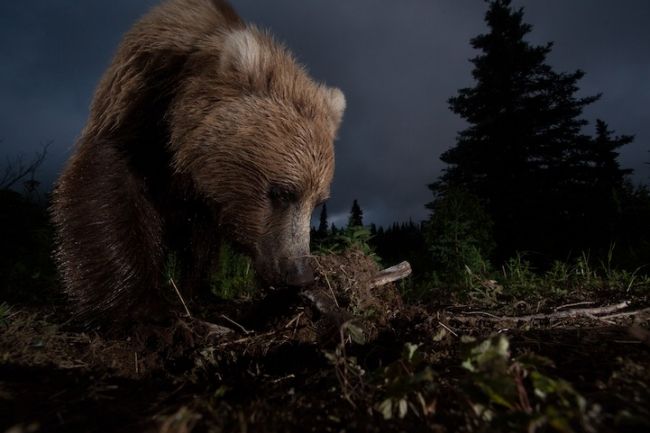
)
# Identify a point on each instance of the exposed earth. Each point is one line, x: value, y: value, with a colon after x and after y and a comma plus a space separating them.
x: 340, y: 357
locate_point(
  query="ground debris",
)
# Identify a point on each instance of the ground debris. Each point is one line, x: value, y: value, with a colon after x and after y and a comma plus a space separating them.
x: 339, y: 356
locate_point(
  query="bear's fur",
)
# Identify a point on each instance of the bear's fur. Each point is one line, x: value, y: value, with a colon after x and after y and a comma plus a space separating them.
x: 202, y: 128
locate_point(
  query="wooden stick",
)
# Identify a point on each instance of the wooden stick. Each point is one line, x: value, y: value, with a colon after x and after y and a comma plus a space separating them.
x: 576, y: 312
x: 244, y: 330
x: 392, y: 274
x: 178, y: 292
x: 575, y: 304
x: 447, y: 328
x: 626, y: 314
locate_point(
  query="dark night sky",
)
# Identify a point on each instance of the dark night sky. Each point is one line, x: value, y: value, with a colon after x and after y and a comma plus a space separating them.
x: 397, y: 62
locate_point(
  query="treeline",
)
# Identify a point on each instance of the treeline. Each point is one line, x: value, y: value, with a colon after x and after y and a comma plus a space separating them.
x: 27, y: 270
x: 528, y: 177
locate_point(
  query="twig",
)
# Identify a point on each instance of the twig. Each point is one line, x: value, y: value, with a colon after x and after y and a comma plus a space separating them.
x: 178, y: 292
x: 389, y: 275
x: 575, y: 304
x: 135, y: 356
x: 484, y: 314
x: 213, y: 328
x: 576, y: 312
x: 244, y: 330
x: 17, y: 170
x: 295, y: 320
x: 281, y: 379
x: 329, y: 286
x: 626, y: 314
x: 342, y: 370
x: 290, y: 322
x: 447, y: 328
x: 244, y: 339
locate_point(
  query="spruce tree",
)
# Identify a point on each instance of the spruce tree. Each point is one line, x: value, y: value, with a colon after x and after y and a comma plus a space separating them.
x: 521, y: 153
x: 603, y: 187
x: 323, y: 225
x: 356, y: 215
x: 603, y: 155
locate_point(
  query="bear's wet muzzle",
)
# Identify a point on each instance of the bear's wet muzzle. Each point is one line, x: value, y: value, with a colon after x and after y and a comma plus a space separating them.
x: 287, y: 272
x: 298, y: 273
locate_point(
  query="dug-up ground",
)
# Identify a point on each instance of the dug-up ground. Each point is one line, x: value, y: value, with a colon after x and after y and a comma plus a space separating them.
x: 347, y: 355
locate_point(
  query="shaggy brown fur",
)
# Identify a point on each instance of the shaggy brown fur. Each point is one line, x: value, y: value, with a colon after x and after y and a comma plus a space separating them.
x: 203, y: 127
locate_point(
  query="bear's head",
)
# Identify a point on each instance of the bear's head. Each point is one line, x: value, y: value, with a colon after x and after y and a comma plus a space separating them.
x: 256, y: 134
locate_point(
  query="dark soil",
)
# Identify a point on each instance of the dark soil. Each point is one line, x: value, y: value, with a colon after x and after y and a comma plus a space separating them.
x: 325, y: 360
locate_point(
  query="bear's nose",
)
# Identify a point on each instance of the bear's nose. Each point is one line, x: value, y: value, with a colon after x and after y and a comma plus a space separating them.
x: 299, y: 273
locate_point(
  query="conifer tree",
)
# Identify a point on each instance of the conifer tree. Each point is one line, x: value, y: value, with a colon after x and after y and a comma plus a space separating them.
x: 523, y: 153
x: 604, y: 156
x: 323, y: 225
x: 603, y: 187
x: 356, y: 215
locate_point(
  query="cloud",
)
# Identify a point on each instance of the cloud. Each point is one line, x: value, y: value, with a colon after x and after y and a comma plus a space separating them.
x: 397, y: 62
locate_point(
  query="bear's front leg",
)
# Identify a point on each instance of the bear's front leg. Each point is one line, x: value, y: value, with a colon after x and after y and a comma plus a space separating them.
x: 109, y: 236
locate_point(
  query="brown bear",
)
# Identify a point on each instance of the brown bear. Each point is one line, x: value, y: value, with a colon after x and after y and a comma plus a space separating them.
x: 203, y: 128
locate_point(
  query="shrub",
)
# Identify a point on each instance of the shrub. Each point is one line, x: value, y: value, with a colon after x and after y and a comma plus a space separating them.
x: 459, y: 236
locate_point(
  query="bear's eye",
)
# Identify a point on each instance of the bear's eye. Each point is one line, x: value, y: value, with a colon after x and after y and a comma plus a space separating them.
x: 282, y: 195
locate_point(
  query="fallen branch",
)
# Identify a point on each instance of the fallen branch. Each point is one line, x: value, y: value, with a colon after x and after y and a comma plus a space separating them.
x: 392, y: 274
x: 574, y: 304
x: 626, y: 314
x: 596, y: 312
x: 178, y: 293
x: 244, y: 330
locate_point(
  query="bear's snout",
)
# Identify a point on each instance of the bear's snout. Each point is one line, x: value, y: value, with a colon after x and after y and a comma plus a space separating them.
x: 294, y: 272
x: 299, y: 273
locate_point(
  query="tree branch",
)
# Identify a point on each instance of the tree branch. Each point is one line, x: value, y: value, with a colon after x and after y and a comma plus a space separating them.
x: 598, y: 312
x: 17, y: 170
x: 392, y: 274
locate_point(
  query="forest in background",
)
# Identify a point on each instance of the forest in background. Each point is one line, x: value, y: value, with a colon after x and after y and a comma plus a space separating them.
x: 528, y: 184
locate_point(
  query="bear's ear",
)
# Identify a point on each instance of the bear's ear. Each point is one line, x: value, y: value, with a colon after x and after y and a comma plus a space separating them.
x: 336, y: 103
x: 227, y: 11
x: 243, y: 55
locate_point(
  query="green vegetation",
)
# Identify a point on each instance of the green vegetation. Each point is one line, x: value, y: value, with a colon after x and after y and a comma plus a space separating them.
x: 235, y: 276
x: 27, y: 269
x: 451, y: 253
x: 356, y: 237
x: 405, y: 384
x: 459, y: 235
x: 5, y: 309
x: 517, y: 395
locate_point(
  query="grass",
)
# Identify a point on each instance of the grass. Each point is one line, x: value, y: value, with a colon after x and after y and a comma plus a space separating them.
x: 5, y: 309
x: 518, y: 279
x: 235, y: 276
